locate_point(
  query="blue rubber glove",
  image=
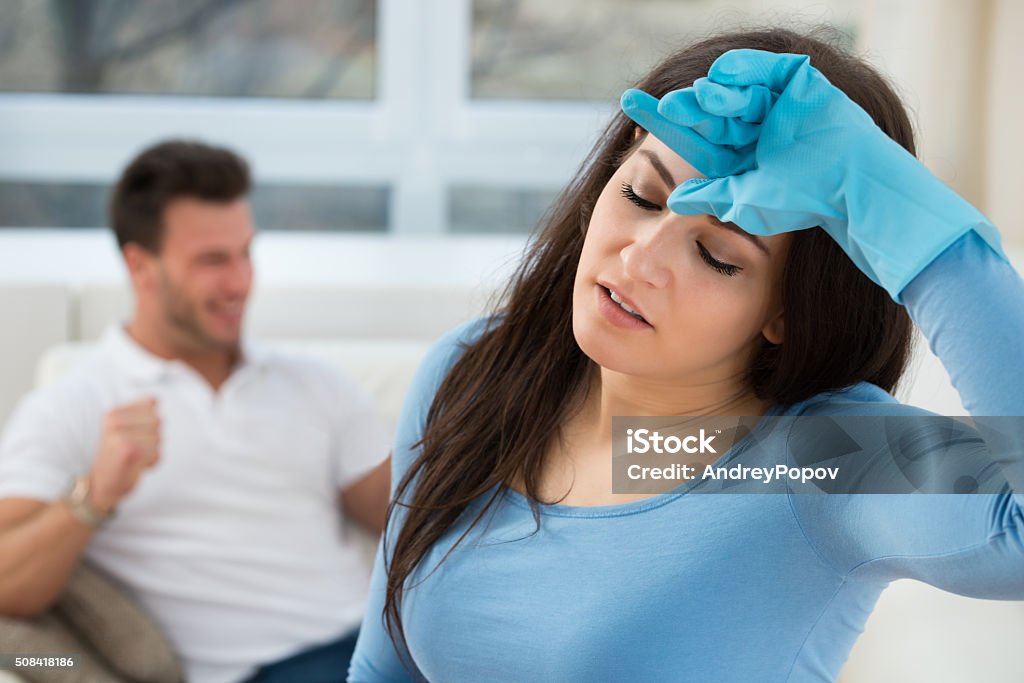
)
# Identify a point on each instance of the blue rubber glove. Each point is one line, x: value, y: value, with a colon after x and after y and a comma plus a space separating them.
x: 786, y: 150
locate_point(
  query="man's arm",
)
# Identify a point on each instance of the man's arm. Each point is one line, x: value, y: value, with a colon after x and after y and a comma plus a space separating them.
x: 366, y: 499
x: 40, y: 542
x: 40, y: 545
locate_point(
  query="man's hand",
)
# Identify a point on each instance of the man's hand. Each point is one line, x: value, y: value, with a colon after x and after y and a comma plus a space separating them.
x: 129, y: 444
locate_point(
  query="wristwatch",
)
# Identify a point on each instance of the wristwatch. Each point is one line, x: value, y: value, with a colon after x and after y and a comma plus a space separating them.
x: 78, y: 501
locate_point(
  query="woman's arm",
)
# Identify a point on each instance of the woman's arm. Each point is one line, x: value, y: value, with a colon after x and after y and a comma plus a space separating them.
x: 376, y: 657
x: 785, y: 150
x: 970, y: 305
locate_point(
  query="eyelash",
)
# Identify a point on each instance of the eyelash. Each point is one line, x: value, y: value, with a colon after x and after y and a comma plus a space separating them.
x: 629, y: 193
x: 724, y: 268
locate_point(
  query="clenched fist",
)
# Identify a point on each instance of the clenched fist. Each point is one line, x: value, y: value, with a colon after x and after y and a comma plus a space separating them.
x: 129, y: 444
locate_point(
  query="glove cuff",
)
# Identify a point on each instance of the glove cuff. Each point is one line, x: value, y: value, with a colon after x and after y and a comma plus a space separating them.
x: 901, y: 218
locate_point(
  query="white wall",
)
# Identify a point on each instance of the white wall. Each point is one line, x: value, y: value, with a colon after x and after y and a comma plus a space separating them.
x: 78, y: 257
x: 958, y: 66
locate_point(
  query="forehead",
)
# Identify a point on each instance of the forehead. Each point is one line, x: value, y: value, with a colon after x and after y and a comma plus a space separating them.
x: 678, y: 168
x: 192, y: 223
x: 681, y: 171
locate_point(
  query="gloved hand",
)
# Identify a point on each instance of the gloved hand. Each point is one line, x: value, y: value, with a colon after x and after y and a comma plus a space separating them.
x: 786, y: 150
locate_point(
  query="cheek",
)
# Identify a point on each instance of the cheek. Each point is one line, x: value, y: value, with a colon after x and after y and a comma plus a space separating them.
x: 607, y: 231
x: 192, y: 290
x: 204, y: 281
x: 713, y: 321
x: 596, y: 248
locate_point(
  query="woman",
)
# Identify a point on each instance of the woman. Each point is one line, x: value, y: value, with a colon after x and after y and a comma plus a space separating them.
x: 507, y: 556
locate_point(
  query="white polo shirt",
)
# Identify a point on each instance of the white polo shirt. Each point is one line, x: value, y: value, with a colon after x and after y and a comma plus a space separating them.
x: 233, y: 541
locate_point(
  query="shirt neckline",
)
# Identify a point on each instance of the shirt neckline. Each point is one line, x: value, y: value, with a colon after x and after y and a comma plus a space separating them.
x: 635, y: 506
x: 142, y: 364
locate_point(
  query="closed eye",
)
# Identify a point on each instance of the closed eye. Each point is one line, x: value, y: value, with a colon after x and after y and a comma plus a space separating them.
x: 629, y: 193
x: 723, y: 268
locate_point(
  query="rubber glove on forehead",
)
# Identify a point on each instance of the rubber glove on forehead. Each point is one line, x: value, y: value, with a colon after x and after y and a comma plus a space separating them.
x: 688, y: 122
x: 786, y: 150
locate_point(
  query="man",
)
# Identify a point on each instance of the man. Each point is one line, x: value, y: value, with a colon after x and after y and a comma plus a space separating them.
x: 204, y: 474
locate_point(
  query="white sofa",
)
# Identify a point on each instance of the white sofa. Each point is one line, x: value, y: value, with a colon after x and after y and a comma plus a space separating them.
x: 917, y: 633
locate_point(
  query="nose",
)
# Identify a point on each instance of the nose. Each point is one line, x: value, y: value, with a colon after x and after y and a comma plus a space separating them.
x: 649, y: 255
x: 238, y: 279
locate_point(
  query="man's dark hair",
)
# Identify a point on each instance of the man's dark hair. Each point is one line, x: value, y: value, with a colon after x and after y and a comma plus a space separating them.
x: 169, y: 171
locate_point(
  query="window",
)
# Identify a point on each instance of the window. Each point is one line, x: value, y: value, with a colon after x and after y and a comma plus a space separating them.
x: 447, y: 116
x: 593, y: 50
x: 214, y: 48
x: 275, y: 206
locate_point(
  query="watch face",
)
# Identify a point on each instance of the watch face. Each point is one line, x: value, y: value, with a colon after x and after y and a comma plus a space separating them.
x: 78, y: 501
x: 80, y: 491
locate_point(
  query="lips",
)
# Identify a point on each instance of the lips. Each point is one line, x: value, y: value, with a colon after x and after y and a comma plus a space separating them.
x: 231, y: 312
x: 627, y: 304
x: 616, y: 312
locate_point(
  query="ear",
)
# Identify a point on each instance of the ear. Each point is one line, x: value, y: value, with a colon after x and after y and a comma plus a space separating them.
x: 638, y: 132
x: 141, y: 264
x: 775, y: 330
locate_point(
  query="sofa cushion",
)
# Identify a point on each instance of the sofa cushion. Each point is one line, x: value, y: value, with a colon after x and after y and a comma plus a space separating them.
x: 94, y: 619
x: 124, y: 636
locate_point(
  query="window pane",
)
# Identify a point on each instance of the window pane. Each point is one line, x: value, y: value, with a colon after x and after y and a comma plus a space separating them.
x: 52, y: 205
x: 275, y: 206
x: 497, y: 210
x: 594, y: 49
x: 323, y: 207
x: 221, y: 48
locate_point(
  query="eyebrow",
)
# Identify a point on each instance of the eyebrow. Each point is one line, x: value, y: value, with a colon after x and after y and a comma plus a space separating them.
x: 671, y: 183
x: 758, y: 242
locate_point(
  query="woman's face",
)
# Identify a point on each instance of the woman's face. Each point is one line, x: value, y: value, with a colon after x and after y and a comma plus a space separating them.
x: 705, y: 293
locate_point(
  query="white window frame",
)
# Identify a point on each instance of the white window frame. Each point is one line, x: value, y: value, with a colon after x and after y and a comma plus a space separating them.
x: 420, y: 136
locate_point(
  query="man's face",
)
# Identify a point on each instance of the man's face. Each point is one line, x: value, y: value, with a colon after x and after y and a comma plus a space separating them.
x: 204, y: 273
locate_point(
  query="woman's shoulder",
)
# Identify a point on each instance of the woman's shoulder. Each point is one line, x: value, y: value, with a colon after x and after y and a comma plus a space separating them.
x: 449, y: 347
x: 862, y: 398
x: 433, y: 369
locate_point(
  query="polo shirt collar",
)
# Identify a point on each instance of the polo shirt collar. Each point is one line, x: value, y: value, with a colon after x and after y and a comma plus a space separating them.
x: 142, y: 364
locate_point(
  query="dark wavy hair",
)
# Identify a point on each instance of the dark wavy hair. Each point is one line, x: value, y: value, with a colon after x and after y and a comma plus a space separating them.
x: 165, y: 172
x: 503, y: 401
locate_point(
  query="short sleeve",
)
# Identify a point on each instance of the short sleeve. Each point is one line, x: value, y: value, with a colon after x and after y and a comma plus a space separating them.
x: 40, y: 451
x: 360, y: 438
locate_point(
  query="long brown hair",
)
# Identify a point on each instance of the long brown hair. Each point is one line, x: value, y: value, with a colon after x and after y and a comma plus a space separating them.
x: 501, y: 404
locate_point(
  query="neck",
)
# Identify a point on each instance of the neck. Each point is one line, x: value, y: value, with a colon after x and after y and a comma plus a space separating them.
x: 165, y: 341
x: 612, y: 394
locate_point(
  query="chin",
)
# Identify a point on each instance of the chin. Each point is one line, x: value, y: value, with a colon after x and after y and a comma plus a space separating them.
x: 224, y: 340
x: 601, y: 346
x: 232, y: 341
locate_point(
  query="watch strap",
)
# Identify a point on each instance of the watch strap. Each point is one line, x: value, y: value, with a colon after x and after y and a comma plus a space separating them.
x: 78, y: 502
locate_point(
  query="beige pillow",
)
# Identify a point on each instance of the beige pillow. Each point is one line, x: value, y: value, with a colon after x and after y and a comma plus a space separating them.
x: 47, y: 634
x: 124, y: 636
x: 94, y: 618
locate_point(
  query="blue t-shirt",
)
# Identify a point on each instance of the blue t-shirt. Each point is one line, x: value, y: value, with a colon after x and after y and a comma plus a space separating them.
x: 704, y: 587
